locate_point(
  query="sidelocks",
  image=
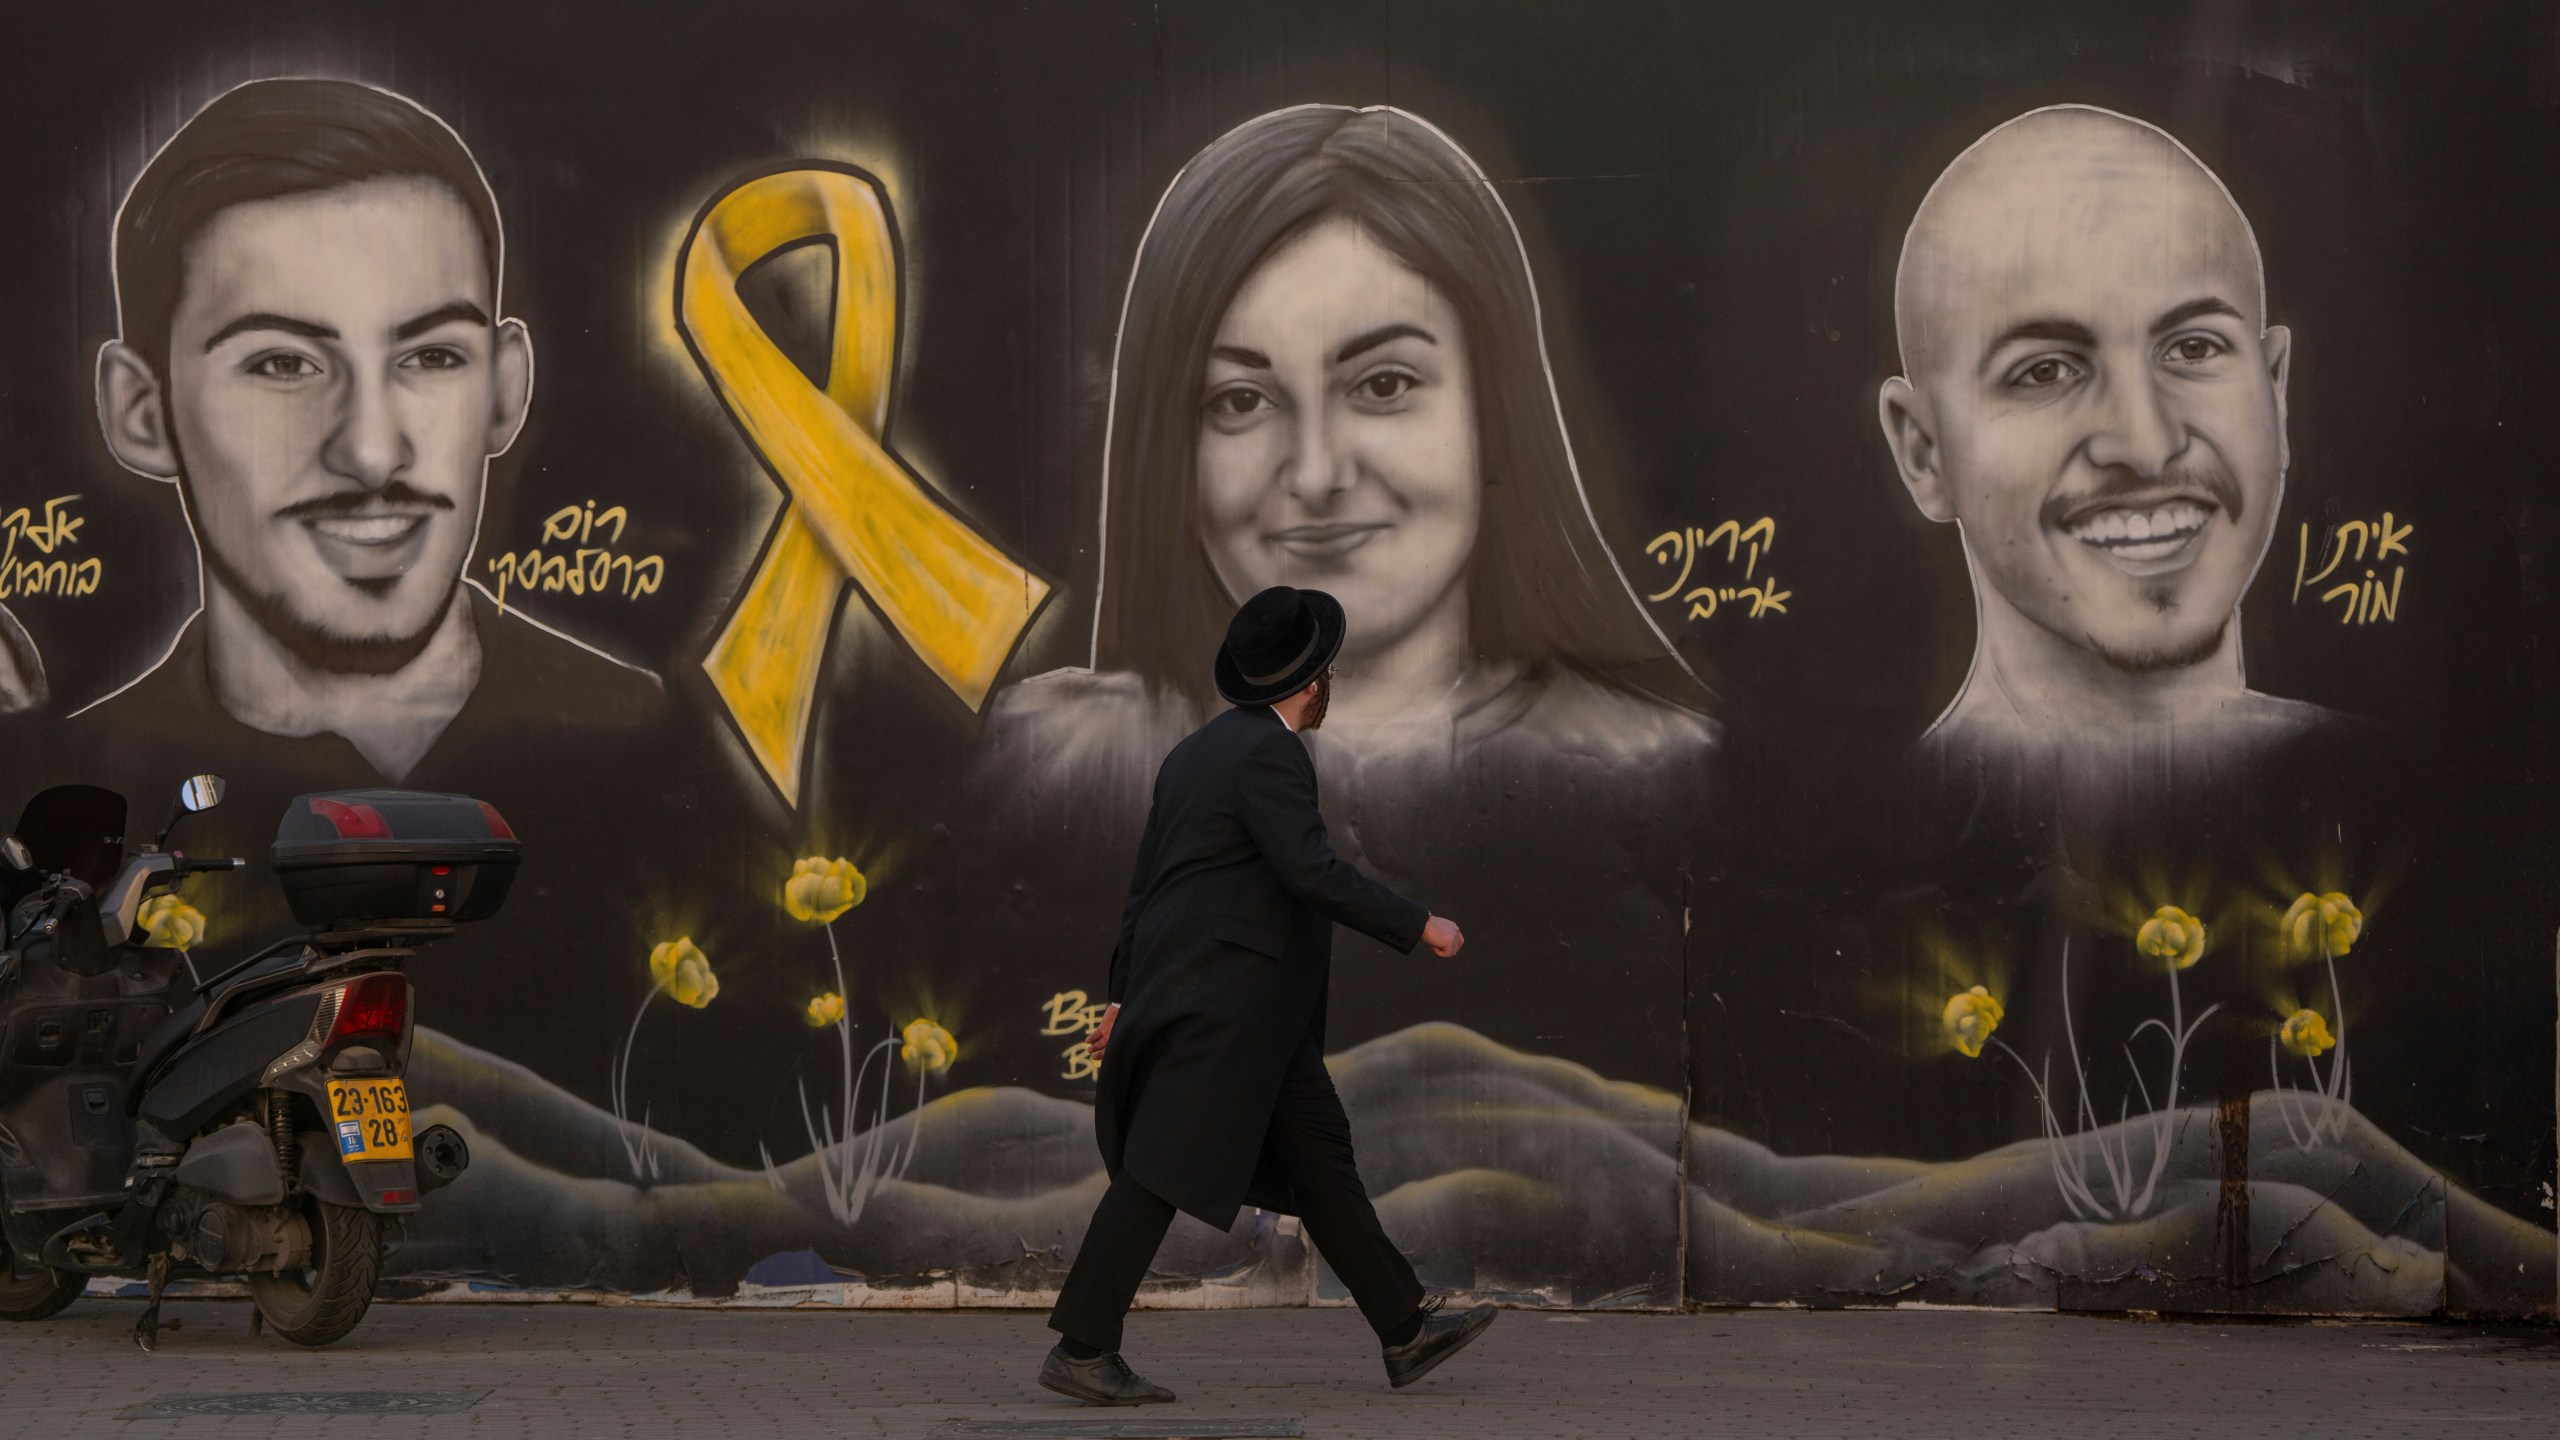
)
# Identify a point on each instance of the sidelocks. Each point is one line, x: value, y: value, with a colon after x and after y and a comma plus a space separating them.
x: 159, y: 1122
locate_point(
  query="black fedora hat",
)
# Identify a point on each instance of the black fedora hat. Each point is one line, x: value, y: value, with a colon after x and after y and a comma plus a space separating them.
x: 1279, y: 642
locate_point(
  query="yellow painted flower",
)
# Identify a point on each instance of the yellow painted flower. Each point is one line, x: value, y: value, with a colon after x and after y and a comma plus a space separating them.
x: 2173, y: 935
x: 171, y: 923
x: 928, y: 1046
x: 2329, y: 922
x: 1969, y: 1020
x: 2306, y: 1034
x: 820, y: 889
x: 684, y: 972
x: 827, y: 1009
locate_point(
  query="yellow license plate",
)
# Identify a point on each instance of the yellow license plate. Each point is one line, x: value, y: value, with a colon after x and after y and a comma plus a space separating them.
x: 371, y: 1118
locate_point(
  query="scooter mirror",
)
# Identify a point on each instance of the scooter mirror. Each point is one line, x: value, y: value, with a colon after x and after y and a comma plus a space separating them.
x: 201, y: 793
x: 14, y: 854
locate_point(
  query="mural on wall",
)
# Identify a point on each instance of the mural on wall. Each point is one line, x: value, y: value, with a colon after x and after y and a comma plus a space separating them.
x: 856, y: 515
x: 313, y: 354
x: 1865, y: 909
x: 2093, y: 394
x: 1332, y: 372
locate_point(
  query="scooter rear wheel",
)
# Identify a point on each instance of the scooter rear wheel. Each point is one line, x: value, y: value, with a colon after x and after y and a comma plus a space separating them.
x: 30, y: 1291
x: 321, y: 1302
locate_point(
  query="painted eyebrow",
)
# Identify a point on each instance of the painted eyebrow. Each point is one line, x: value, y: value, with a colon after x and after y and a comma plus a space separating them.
x: 441, y: 315
x: 263, y: 321
x: 2069, y: 332
x: 2209, y: 305
x: 1380, y: 336
x: 1252, y: 359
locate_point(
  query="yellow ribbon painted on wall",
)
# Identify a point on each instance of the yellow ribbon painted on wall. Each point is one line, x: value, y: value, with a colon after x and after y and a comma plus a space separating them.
x: 852, y: 512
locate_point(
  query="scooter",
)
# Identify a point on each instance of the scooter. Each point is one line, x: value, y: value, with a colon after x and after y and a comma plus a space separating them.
x: 158, y: 1123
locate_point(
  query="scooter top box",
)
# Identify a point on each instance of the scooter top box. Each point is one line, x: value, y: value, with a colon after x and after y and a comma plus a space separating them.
x: 383, y: 857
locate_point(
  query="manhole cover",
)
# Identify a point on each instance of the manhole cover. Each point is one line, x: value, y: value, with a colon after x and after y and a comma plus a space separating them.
x: 308, y: 1402
x: 1122, y: 1429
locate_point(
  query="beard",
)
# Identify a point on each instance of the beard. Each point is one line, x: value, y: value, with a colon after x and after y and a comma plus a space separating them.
x: 2214, y: 479
x: 1324, y: 698
x: 313, y: 642
x: 320, y: 647
x: 2156, y: 659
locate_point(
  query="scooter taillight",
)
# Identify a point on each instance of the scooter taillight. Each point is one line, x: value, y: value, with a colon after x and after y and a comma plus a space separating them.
x: 375, y: 1007
x: 352, y: 821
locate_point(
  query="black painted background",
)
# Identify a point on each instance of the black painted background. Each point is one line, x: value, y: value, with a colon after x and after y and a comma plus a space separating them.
x: 1712, y: 196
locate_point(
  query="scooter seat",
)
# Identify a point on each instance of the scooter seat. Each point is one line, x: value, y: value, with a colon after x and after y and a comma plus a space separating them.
x: 163, y: 1043
x: 187, y: 1019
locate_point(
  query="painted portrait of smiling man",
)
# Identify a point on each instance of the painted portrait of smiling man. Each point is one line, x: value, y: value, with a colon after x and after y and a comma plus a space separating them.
x: 314, y: 354
x: 2092, y: 394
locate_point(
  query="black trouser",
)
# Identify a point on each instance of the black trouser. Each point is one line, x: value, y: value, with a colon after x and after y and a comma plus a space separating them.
x: 1311, y: 1139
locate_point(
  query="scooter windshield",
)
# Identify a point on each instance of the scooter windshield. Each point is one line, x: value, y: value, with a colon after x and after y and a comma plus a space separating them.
x: 75, y: 830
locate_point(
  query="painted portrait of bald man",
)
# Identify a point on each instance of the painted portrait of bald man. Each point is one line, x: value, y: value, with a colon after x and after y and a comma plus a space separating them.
x: 2092, y: 394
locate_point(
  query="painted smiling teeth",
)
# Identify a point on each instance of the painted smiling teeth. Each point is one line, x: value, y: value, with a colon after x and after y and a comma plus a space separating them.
x: 2159, y: 530
x: 367, y: 529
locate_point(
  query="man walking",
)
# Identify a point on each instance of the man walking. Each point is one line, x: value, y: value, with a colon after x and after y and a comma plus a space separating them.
x: 1214, y: 1093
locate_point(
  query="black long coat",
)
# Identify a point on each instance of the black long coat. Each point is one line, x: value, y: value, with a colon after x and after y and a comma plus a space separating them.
x: 1225, y: 954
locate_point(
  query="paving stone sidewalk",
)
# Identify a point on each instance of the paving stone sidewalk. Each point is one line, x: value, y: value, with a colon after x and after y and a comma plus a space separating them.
x: 580, y: 1370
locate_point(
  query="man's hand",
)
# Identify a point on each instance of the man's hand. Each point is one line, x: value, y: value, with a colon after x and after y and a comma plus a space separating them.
x: 1443, y: 936
x: 1101, y: 1036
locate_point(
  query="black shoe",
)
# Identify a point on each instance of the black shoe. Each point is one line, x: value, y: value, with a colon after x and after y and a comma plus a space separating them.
x: 1102, y: 1380
x: 1442, y: 1336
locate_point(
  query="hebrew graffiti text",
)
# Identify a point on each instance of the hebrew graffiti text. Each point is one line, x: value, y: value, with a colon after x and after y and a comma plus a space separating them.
x: 579, y: 566
x: 56, y: 529
x: 1743, y: 544
x: 2364, y: 599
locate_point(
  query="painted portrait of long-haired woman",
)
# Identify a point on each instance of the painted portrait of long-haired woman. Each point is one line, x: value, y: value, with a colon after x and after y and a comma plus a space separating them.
x: 1331, y: 373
